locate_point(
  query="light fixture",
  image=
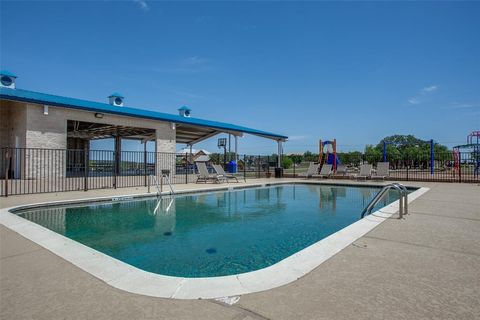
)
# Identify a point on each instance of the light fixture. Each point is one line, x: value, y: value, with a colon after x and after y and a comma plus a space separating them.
x: 173, y: 126
x: 45, y: 110
x: 99, y: 115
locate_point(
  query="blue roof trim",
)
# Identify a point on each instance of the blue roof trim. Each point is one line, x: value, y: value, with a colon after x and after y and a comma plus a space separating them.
x: 7, y: 73
x: 53, y: 100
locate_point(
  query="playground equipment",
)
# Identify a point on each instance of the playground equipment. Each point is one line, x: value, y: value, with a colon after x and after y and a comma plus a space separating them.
x: 472, y: 146
x: 330, y: 157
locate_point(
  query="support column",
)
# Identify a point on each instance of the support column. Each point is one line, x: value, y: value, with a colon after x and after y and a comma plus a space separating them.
x: 118, y: 151
x: 236, y: 150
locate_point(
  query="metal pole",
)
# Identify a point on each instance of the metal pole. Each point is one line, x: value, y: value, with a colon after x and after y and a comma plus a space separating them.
x: 408, y: 164
x: 459, y: 167
x: 224, y: 157
x: 384, y: 151
x: 432, y: 161
x: 236, y: 149
x: 85, y: 164
x: 229, y: 146
x: 7, y: 168
x: 187, y: 165
x: 145, y: 161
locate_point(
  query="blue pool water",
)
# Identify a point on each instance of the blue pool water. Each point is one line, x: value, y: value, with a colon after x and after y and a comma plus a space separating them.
x: 210, y: 234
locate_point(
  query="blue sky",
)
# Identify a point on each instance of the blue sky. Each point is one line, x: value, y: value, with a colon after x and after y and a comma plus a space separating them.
x: 352, y: 71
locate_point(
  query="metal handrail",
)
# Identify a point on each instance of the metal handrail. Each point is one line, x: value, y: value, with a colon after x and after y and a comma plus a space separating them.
x: 403, y: 199
x: 167, y: 177
x: 154, y: 179
x: 160, y: 187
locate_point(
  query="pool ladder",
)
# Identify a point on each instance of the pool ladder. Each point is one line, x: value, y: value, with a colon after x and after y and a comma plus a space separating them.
x: 160, y: 186
x: 403, y: 199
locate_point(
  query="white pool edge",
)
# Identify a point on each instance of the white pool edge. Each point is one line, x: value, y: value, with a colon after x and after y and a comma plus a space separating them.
x: 131, y: 279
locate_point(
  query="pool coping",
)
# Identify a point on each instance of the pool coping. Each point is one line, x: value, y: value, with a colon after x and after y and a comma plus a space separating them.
x: 131, y: 279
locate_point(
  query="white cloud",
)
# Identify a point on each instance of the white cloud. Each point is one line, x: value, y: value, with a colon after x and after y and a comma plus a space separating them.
x: 413, y: 100
x: 429, y: 89
x: 142, y: 4
x: 422, y: 94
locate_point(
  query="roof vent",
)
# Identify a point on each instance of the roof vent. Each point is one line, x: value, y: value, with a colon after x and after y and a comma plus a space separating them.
x: 7, y: 79
x: 185, y: 111
x: 116, y: 99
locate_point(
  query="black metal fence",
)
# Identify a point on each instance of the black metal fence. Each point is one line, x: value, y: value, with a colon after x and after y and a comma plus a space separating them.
x: 28, y: 170
x: 443, y: 167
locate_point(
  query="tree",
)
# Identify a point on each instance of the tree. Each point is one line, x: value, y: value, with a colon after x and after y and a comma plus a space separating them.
x: 286, y: 162
x: 372, y: 154
x: 309, y: 156
x: 296, y: 158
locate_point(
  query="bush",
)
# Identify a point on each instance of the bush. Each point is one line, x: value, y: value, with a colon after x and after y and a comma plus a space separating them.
x: 286, y: 162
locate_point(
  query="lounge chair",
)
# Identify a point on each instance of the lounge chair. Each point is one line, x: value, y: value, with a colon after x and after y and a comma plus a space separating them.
x: 204, y: 175
x: 312, y: 169
x: 365, y: 172
x: 219, y: 170
x: 325, y: 172
x: 383, y: 171
x: 341, y: 170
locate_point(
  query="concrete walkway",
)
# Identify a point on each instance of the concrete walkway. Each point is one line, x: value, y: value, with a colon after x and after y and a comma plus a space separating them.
x: 424, y: 267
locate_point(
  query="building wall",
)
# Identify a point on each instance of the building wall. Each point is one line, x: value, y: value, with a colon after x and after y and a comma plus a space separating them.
x: 50, y: 131
x: 12, y: 134
x: 12, y: 124
x: 35, y: 130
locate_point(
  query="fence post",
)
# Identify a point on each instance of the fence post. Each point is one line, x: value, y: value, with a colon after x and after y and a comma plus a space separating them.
x: 86, y: 169
x: 258, y: 167
x: 115, y: 169
x: 268, y: 167
x: 7, y: 169
x: 294, y: 168
x: 408, y: 164
x: 145, y: 162
x: 459, y: 167
x: 186, y: 168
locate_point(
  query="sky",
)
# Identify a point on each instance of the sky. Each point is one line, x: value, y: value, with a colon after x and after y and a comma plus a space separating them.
x: 354, y: 71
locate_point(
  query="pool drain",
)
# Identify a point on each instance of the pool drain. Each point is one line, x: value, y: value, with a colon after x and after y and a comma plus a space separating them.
x: 211, y: 250
x: 168, y: 233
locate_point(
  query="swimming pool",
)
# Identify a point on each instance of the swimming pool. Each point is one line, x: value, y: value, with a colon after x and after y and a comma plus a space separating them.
x: 210, y: 234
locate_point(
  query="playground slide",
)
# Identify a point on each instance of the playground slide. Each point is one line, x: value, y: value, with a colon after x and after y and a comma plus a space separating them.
x: 330, y: 158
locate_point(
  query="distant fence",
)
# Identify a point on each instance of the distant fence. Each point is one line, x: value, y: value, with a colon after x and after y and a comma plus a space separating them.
x: 443, y: 167
x: 29, y: 170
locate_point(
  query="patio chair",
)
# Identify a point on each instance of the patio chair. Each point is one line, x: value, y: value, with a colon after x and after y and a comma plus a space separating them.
x: 383, y: 171
x: 219, y: 170
x: 204, y: 175
x: 325, y: 172
x: 312, y: 169
x: 341, y: 170
x: 365, y: 172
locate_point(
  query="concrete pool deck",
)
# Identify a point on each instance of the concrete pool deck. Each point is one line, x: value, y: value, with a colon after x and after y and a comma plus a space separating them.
x: 426, y: 266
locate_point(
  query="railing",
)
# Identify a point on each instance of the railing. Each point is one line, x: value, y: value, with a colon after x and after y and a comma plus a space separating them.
x: 30, y: 170
x: 444, y: 167
x: 402, y: 198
